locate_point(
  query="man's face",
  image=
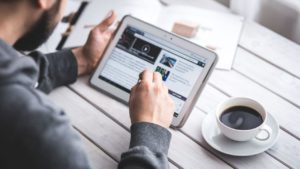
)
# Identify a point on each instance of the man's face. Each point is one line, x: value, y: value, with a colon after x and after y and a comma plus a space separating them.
x: 42, y: 29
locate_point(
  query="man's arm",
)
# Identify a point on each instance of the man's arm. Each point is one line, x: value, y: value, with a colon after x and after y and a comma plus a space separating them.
x: 151, y: 111
x: 63, y: 67
x: 148, y: 149
x: 55, y: 69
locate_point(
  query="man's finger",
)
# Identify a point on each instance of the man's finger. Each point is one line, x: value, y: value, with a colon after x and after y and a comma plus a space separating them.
x: 157, y: 78
x: 107, y: 22
x: 146, y: 76
x: 165, y: 88
x: 132, y: 93
x: 109, y: 34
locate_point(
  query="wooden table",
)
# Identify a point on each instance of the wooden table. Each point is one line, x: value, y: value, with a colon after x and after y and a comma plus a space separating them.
x: 266, y: 68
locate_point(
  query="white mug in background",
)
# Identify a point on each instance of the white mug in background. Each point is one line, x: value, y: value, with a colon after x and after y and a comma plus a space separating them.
x: 261, y: 132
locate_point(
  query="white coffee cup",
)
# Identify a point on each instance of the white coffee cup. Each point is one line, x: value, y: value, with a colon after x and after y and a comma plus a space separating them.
x: 261, y: 132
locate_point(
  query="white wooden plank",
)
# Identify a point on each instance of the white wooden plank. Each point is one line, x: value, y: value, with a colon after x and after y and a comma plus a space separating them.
x: 268, y: 75
x: 263, y: 160
x: 237, y: 85
x: 95, y: 125
x: 98, y: 159
x: 272, y: 47
x: 287, y: 149
x: 183, y: 151
x: 99, y: 128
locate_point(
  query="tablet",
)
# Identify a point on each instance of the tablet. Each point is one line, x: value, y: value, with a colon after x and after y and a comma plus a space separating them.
x: 136, y: 46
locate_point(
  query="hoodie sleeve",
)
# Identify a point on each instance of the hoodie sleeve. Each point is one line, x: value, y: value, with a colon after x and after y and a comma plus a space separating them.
x: 55, y: 69
x: 148, y: 148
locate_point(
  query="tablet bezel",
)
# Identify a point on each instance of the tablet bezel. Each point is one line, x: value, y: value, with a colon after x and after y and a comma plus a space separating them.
x: 169, y: 37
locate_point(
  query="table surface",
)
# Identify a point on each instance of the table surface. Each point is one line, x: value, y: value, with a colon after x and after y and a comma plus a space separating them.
x: 266, y: 68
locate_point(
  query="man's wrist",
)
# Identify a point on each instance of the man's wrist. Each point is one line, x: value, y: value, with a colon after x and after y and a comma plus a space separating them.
x: 82, y: 63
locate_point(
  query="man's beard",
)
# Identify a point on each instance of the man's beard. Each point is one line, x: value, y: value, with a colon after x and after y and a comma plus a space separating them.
x: 40, y: 31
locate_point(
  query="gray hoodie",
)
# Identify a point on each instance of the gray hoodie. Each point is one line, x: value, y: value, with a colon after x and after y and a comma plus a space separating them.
x: 36, y: 134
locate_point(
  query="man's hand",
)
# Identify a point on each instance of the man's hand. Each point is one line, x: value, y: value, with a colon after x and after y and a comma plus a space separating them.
x: 88, y: 55
x: 150, y: 102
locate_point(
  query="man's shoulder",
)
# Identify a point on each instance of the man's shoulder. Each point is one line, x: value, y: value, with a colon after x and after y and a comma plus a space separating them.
x: 17, y: 95
x: 24, y: 104
x: 31, y: 126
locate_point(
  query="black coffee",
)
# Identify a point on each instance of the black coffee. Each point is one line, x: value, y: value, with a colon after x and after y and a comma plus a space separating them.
x: 241, y: 118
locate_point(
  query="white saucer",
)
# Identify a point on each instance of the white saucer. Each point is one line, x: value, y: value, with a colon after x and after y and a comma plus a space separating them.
x: 218, y: 141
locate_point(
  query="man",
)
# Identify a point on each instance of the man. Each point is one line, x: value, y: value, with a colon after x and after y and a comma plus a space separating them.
x: 35, y: 134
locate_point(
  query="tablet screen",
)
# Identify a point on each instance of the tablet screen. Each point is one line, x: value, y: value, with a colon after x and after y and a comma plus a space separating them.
x: 137, y: 50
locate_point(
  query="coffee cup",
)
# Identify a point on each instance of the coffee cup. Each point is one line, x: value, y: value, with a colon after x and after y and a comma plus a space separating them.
x: 243, y: 119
